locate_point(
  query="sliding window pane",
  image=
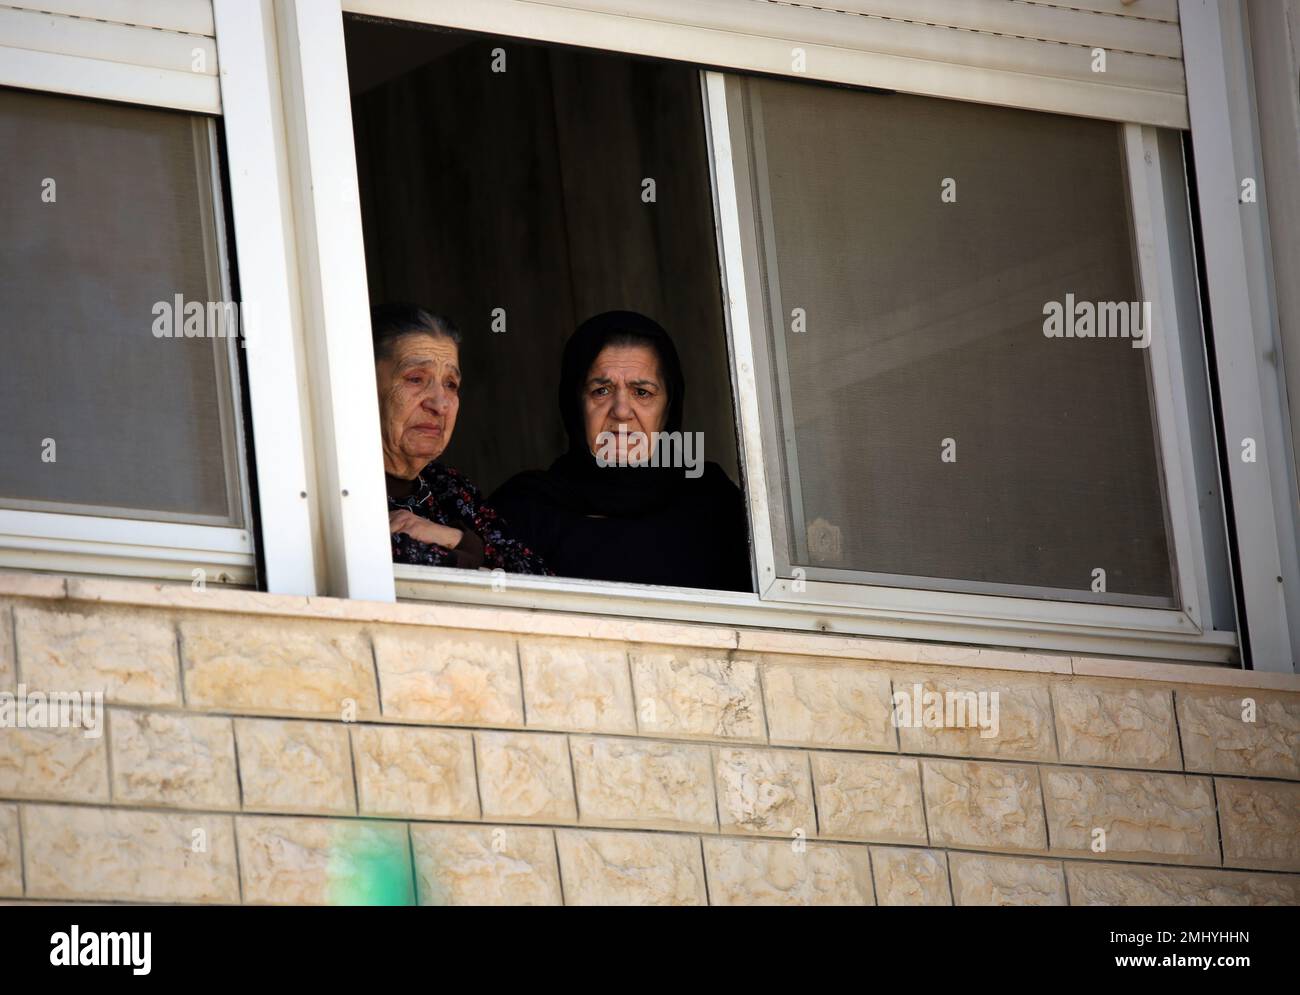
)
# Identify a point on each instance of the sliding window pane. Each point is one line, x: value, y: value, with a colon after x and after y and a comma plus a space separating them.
x: 107, y: 222
x: 933, y: 434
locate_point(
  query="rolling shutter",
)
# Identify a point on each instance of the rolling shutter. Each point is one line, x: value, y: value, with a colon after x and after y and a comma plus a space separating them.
x: 1040, y: 55
x: 158, y: 52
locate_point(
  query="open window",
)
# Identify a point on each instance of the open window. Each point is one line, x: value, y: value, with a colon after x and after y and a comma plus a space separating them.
x: 520, y: 189
x: 963, y: 341
x: 979, y: 361
x: 123, y: 449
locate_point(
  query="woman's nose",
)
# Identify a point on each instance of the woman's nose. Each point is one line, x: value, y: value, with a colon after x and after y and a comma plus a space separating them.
x: 437, y: 400
x: 622, y: 406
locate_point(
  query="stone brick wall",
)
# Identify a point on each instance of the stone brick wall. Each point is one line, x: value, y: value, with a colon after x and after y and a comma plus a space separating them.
x: 534, y: 759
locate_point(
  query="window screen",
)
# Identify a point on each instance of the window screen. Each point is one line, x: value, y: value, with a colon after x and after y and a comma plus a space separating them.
x: 107, y: 212
x: 932, y: 434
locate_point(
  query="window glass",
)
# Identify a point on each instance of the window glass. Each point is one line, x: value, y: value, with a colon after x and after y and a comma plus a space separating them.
x: 933, y: 433
x: 111, y: 405
x: 544, y: 199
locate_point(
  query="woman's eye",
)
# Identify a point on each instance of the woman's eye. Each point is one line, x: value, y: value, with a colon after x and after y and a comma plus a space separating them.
x: 600, y: 392
x: 453, y: 385
x: 415, y: 380
x: 642, y: 392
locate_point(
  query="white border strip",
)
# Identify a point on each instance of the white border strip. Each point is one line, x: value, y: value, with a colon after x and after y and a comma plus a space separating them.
x: 263, y: 223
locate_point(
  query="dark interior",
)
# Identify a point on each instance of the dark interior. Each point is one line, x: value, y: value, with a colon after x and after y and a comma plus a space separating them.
x: 522, y: 191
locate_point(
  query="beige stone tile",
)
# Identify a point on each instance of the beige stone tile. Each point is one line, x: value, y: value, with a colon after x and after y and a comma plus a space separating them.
x: 975, y: 715
x: 324, y: 862
x: 620, y: 868
x: 11, y: 863
x: 1135, y: 884
x: 406, y: 772
x: 22, y: 584
x: 981, y: 879
x: 485, y: 865
x: 128, y: 655
x: 764, y: 791
x: 837, y: 704
x: 1164, y: 818
x: 906, y: 876
x: 1129, y: 669
x: 295, y: 767
x: 53, y: 764
x: 117, y: 854
x: 994, y: 806
x: 1246, y: 732
x: 864, y: 797
x: 450, y: 677
x: 772, y: 872
x: 1260, y: 822
x: 577, y: 685
x: 178, y: 761
x: 1111, y: 725
x: 682, y: 694
x: 646, y: 783
x: 899, y: 651
x: 258, y: 667
x: 525, y: 777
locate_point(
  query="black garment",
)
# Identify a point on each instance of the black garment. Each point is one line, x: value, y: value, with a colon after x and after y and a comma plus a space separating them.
x: 442, y: 495
x: 639, y: 524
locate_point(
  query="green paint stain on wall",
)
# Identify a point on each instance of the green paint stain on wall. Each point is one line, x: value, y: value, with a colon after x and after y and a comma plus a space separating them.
x: 370, y: 865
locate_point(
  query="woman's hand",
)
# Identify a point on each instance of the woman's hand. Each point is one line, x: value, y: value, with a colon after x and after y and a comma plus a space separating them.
x: 423, y: 530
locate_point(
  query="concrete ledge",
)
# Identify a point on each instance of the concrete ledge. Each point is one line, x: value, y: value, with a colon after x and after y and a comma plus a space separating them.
x: 627, y: 630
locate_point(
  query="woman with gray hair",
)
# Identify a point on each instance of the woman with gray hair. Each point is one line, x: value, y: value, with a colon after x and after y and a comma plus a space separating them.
x: 436, y: 517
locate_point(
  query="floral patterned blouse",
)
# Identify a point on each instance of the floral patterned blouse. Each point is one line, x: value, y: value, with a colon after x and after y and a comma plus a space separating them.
x: 443, y: 495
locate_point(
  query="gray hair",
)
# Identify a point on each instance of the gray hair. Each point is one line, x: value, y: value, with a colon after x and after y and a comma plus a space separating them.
x: 390, y: 322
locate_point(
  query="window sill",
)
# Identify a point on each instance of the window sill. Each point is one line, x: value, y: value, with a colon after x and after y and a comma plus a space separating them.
x: 911, y: 634
x: 123, y: 547
x: 478, y: 617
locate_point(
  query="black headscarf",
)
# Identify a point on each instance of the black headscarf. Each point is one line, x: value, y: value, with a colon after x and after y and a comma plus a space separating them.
x: 576, y: 480
x: 637, y: 524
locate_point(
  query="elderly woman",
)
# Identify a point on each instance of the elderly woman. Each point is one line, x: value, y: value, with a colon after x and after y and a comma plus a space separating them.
x: 608, y: 510
x: 436, y: 516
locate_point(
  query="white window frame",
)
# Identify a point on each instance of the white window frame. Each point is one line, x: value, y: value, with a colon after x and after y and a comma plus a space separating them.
x: 1243, y: 314
x: 72, y: 543
x: 247, y: 99
x: 331, y: 275
x: 257, y: 157
x: 737, y: 197
x: 137, y: 544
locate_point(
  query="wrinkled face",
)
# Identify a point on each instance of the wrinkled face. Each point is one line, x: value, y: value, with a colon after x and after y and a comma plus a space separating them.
x: 624, y: 388
x: 419, y: 396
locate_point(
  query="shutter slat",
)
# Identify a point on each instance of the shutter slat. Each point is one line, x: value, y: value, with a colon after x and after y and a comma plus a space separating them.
x: 190, y: 16
x: 1026, y: 20
x: 157, y: 52
x: 102, y: 41
x: 786, y: 24
x: 83, y: 77
x: 1013, y: 53
x: 1154, y: 10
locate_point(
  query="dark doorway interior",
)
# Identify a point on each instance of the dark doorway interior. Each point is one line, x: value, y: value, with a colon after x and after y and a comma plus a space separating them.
x: 522, y: 190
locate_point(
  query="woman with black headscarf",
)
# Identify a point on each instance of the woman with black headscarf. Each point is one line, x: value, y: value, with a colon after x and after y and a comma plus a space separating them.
x: 612, y: 508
